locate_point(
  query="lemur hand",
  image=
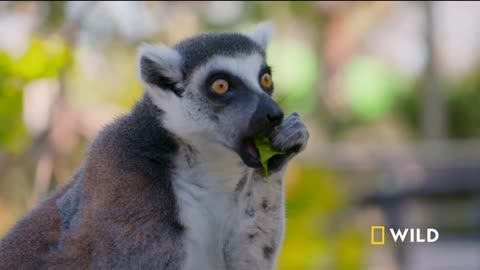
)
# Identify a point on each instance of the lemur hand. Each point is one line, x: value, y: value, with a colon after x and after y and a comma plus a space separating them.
x: 290, y: 137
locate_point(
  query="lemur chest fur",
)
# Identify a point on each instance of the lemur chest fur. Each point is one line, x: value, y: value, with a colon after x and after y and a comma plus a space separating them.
x: 234, y: 218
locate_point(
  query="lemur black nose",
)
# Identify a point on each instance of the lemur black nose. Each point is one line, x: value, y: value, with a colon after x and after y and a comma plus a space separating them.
x: 266, y: 117
x: 275, y: 117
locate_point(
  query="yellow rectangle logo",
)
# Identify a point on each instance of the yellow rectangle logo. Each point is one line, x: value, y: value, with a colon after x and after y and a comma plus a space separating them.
x: 382, y: 228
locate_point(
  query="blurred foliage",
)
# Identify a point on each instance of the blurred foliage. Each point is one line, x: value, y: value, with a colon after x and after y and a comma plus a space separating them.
x: 44, y: 58
x: 12, y: 133
x: 372, y: 88
x: 314, y: 240
x: 464, y: 107
x: 295, y: 75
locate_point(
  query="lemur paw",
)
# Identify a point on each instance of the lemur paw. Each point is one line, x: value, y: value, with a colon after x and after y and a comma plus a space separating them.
x: 290, y: 137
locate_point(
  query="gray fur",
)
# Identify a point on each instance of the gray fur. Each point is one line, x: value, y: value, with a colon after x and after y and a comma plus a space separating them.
x: 118, y: 211
x: 291, y: 136
x: 199, y: 49
x: 262, y: 34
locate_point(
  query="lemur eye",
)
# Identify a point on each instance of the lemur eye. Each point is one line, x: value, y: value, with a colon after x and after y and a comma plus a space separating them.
x: 266, y: 80
x: 220, y: 86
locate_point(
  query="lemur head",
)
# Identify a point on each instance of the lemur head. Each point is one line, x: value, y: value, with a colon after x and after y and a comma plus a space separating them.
x: 216, y: 86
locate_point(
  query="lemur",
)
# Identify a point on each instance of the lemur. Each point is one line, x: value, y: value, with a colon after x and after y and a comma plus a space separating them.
x: 177, y: 182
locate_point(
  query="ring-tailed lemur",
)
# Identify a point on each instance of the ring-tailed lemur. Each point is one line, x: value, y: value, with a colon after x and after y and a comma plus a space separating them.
x: 176, y: 183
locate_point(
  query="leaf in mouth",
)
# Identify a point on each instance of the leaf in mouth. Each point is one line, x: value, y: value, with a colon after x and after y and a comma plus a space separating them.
x: 266, y: 151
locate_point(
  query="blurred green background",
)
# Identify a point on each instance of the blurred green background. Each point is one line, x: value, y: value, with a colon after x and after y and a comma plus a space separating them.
x: 390, y: 92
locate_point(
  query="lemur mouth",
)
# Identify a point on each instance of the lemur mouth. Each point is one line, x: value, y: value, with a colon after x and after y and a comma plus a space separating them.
x: 249, y: 154
x: 252, y: 150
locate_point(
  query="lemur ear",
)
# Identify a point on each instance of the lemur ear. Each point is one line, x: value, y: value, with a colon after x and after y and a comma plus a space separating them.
x: 160, y: 66
x: 262, y: 34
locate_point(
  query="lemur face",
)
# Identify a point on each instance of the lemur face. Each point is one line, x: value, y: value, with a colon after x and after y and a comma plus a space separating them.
x: 216, y: 86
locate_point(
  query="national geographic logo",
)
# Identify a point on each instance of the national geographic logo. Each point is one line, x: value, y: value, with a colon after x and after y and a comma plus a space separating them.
x: 404, y: 235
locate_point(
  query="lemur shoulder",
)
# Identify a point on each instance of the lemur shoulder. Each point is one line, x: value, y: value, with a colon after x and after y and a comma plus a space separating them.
x: 176, y: 183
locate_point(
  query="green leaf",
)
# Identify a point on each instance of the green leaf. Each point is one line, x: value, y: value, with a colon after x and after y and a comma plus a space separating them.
x: 266, y: 151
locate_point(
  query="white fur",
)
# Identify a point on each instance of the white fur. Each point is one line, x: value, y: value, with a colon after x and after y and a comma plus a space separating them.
x: 217, y: 224
x: 263, y: 34
x: 202, y: 208
x: 168, y: 59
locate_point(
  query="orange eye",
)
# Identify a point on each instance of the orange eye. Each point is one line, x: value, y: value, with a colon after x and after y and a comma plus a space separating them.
x: 266, y: 80
x: 220, y: 86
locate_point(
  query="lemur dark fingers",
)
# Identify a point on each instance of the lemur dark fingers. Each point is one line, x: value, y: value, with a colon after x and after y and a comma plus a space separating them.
x: 290, y: 137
